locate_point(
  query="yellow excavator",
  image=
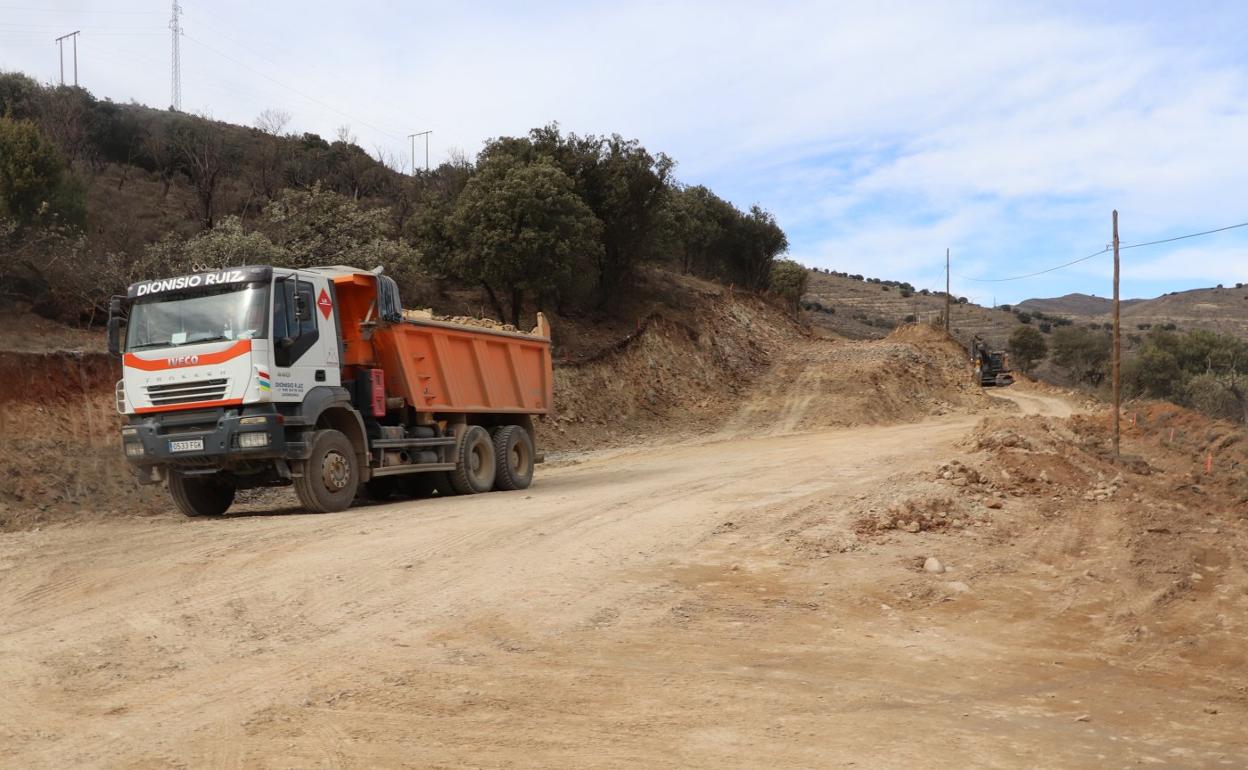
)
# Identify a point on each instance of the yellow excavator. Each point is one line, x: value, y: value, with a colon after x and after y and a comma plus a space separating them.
x: 992, y: 367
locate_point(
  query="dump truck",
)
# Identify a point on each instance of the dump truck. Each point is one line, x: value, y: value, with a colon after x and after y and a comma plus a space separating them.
x: 317, y: 378
x: 992, y: 367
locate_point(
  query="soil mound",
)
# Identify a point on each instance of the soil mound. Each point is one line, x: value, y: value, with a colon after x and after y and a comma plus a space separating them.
x: 1158, y: 539
x: 734, y: 365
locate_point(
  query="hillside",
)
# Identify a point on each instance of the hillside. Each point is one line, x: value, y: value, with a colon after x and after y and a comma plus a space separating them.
x: 548, y: 220
x: 1219, y: 309
x: 860, y: 310
x: 1075, y: 304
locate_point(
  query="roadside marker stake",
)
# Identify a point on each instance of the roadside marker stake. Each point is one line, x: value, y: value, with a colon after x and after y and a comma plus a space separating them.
x: 1209, y: 464
x: 1171, y: 435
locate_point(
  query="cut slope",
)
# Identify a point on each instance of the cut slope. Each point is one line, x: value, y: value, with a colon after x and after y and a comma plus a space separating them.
x: 735, y: 365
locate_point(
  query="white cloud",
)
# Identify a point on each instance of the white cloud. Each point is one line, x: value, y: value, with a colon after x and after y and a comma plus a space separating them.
x: 878, y: 133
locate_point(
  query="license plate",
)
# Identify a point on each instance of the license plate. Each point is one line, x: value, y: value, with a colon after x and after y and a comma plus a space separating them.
x: 191, y: 445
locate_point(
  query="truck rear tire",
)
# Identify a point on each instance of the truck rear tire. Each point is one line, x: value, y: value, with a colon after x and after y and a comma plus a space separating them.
x: 200, y: 495
x: 474, y: 463
x: 331, y: 474
x: 513, y: 450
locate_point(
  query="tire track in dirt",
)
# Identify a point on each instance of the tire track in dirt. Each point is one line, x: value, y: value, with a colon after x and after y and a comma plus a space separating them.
x: 654, y: 501
x: 650, y: 608
x: 1030, y: 402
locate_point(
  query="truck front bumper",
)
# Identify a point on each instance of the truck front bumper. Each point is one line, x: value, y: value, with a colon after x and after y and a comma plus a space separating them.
x: 216, y: 438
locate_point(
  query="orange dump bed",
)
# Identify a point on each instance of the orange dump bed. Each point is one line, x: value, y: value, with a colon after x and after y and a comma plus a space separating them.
x: 444, y: 367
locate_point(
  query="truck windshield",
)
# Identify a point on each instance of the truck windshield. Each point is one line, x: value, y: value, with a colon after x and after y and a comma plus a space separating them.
x: 229, y: 313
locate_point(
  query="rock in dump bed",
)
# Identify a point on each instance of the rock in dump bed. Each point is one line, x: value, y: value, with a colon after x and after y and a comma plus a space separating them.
x: 481, y: 323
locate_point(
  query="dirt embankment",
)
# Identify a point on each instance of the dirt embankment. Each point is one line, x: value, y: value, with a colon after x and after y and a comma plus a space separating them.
x: 1144, y: 556
x: 60, y: 455
x: 735, y: 365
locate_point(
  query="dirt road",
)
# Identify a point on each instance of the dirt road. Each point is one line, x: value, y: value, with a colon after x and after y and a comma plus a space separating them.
x: 699, y: 605
x: 1032, y: 402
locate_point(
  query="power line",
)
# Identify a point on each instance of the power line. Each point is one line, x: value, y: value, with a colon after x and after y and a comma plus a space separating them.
x: 231, y: 37
x: 78, y: 10
x: 1104, y: 251
x: 22, y: 26
x: 292, y: 89
x: 1181, y: 237
x: 1038, y: 272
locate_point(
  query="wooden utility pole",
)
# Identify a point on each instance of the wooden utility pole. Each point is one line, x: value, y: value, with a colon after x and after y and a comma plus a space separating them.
x: 1117, y: 365
x: 948, y: 303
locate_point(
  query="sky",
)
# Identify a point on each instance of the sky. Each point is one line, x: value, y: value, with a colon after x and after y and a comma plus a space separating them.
x: 879, y: 134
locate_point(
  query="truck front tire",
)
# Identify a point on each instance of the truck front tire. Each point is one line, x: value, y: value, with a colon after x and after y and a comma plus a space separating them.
x: 515, y: 458
x: 200, y: 495
x: 474, y: 463
x: 331, y: 474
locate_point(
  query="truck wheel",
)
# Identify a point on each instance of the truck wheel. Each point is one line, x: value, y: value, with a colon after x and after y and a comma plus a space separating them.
x: 200, y: 495
x: 513, y: 449
x: 474, y: 465
x: 331, y: 474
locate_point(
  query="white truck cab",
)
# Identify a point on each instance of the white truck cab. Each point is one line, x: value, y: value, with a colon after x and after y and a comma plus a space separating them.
x: 224, y: 374
x: 210, y: 340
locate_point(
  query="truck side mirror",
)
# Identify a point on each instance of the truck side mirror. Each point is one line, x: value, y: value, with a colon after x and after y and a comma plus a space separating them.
x: 114, y: 326
x: 302, y: 311
x: 294, y: 319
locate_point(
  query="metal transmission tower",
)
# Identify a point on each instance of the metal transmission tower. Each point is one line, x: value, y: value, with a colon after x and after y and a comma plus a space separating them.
x: 425, y: 134
x: 61, y: 49
x: 176, y: 26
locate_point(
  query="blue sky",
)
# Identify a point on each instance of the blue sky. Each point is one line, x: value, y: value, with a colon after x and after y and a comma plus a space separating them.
x: 878, y: 133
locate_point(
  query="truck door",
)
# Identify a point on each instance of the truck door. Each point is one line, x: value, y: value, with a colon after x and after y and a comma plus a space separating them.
x: 305, y: 339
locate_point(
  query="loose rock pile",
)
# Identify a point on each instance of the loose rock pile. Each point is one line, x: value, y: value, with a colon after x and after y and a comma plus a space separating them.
x: 960, y: 475
x: 427, y: 314
x: 916, y: 514
x: 1104, y: 490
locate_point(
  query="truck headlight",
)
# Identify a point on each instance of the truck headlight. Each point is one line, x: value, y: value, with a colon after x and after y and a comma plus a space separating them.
x: 253, y: 439
x: 134, y: 449
x: 258, y: 420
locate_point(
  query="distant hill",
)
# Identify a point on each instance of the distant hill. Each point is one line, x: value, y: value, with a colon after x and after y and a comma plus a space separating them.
x: 860, y: 308
x: 1217, y: 309
x: 868, y: 308
x: 1073, y: 305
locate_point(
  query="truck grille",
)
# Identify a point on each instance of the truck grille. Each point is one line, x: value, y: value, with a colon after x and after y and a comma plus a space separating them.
x: 188, y: 392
